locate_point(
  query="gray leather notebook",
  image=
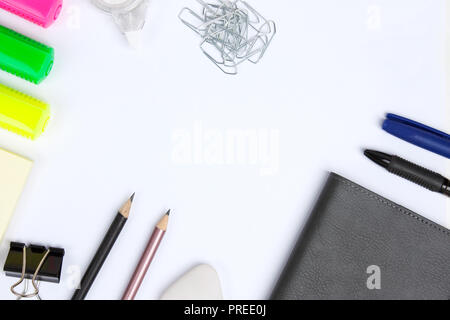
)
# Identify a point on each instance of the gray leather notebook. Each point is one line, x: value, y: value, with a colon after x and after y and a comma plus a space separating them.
x: 359, y: 245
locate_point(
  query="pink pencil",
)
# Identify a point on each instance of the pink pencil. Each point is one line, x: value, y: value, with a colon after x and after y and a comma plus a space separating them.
x: 146, y: 259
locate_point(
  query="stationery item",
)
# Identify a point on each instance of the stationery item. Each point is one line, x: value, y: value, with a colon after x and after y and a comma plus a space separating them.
x: 14, y: 171
x: 103, y: 251
x: 410, y: 171
x: 24, y: 57
x: 22, y: 114
x: 147, y: 258
x: 232, y: 32
x: 199, y: 283
x: 418, y: 134
x: 129, y: 15
x: 34, y: 262
x: 40, y: 12
x: 359, y: 245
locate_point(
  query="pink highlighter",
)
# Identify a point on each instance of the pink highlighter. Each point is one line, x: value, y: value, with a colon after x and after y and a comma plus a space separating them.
x: 40, y: 12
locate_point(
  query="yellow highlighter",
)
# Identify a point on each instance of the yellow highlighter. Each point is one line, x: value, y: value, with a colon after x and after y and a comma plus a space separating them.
x: 22, y: 114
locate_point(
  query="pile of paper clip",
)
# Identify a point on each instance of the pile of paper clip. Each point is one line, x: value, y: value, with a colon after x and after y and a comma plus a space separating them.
x: 232, y: 32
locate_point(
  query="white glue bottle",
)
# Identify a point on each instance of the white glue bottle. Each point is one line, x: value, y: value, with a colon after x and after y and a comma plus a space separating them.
x: 129, y: 16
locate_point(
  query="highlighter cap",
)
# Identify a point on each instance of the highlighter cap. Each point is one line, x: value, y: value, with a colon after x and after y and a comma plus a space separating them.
x: 22, y: 114
x: 24, y: 57
x: 40, y: 12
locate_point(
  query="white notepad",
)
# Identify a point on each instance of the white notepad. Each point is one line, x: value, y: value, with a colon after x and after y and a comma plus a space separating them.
x: 14, y: 171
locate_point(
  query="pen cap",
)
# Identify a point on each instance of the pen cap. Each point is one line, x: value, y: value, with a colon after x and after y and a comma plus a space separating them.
x: 40, y: 12
x: 418, y: 134
x: 22, y: 114
x: 24, y: 57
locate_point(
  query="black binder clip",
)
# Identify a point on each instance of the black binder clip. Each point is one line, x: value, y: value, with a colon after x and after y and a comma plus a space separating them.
x: 33, y: 262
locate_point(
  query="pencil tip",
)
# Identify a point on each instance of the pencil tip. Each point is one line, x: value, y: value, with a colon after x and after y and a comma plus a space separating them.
x: 125, y: 210
x: 168, y: 213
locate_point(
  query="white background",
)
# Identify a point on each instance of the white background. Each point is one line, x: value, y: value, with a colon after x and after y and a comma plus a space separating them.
x: 333, y: 70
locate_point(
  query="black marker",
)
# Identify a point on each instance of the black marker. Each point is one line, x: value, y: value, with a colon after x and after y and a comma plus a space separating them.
x: 410, y: 171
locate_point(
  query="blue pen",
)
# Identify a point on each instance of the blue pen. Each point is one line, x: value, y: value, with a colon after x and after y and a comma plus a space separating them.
x: 418, y: 134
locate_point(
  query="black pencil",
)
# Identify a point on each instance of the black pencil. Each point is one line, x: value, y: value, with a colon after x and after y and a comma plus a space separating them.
x: 103, y: 251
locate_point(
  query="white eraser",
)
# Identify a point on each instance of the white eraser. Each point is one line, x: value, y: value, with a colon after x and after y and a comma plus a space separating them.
x: 200, y: 283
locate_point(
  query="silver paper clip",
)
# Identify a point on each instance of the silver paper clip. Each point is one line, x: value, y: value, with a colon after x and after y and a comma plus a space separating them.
x: 232, y: 32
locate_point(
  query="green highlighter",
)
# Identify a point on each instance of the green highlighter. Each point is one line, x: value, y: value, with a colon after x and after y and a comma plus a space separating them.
x: 24, y: 57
